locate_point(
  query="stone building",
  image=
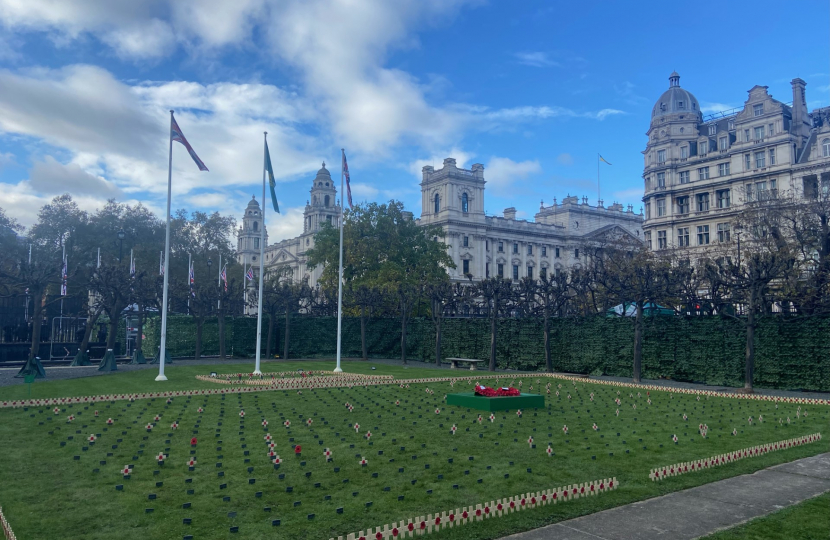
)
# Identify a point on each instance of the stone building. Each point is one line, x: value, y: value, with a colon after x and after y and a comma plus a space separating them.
x: 483, y: 246
x: 699, y: 171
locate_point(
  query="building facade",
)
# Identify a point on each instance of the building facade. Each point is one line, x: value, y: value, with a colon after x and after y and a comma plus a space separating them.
x: 699, y: 172
x: 484, y: 246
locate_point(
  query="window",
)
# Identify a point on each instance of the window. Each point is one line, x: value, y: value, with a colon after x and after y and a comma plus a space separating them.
x: 748, y: 161
x: 760, y: 159
x: 713, y: 129
x: 661, y: 156
x: 771, y: 129
x: 683, y: 237
x: 661, y: 240
x: 500, y: 270
x: 530, y: 272
x: 437, y: 203
x: 723, y: 144
x: 661, y: 179
x: 256, y: 226
x: 647, y: 236
x: 515, y: 248
x: 515, y: 271
x: 730, y: 125
x: 464, y: 203
x: 326, y: 201
x: 772, y: 156
x: 557, y: 253
x: 702, y: 235
x: 759, y: 133
x: 825, y: 148
x: 683, y: 205
x: 501, y: 247
x: 723, y: 232
x: 723, y: 169
x: 703, y: 173
x: 758, y: 110
x: 684, y: 152
x: 530, y: 249
x: 661, y: 207
x: 466, y: 264
x: 543, y: 272
x: 487, y: 270
x: 544, y: 251
x: 256, y: 243
x: 723, y: 196
x: 750, y: 196
x: 648, y: 212
x: 702, y: 202
x: 684, y: 177
x: 679, y: 104
x: 746, y: 135
x: 576, y: 253
x: 703, y: 148
x: 466, y: 241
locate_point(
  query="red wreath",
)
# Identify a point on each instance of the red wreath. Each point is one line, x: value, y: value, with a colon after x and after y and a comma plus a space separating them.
x: 486, y: 391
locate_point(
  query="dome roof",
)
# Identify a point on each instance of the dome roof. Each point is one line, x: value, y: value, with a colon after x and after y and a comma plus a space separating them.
x: 675, y: 100
x: 252, y: 203
x: 323, y: 173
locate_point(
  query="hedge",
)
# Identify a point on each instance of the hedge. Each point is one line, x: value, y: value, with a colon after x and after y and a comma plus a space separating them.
x: 791, y: 353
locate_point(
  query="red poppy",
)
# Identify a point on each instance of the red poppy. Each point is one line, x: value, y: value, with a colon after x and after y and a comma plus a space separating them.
x: 298, y: 449
x: 193, y: 441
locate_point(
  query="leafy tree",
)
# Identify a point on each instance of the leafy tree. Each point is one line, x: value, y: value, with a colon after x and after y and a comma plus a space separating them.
x: 547, y: 297
x: 366, y: 299
x: 112, y: 287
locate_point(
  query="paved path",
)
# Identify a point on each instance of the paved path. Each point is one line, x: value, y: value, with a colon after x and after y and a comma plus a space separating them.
x: 700, y: 511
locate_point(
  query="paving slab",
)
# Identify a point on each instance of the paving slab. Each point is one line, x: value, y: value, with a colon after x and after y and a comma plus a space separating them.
x: 699, y: 511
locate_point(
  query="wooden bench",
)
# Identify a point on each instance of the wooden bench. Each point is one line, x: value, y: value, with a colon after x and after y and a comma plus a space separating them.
x: 454, y: 362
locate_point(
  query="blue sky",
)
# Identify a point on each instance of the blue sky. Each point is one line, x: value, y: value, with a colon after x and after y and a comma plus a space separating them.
x: 531, y: 89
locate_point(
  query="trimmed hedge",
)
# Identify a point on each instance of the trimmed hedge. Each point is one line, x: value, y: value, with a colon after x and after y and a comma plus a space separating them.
x: 791, y: 353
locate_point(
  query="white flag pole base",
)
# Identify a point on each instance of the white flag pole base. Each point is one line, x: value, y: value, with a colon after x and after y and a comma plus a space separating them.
x: 257, y: 372
x: 161, y: 378
x: 338, y: 370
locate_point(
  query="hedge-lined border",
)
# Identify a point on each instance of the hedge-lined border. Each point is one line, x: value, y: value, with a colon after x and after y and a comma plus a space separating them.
x: 722, y: 459
x: 500, y: 507
x: 7, y: 528
x: 270, y: 379
x: 350, y: 380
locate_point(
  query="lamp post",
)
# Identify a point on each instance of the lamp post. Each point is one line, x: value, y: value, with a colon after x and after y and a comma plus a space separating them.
x: 121, y: 236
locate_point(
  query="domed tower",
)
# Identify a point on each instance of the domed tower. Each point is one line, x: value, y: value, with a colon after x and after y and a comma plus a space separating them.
x: 248, y: 236
x: 321, y: 207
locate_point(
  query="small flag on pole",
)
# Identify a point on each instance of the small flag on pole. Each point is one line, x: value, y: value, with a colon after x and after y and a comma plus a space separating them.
x: 271, y: 182
x: 603, y: 159
x: 250, y: 274
x: 132, y: 265
x: 224, y: 276
x: 348, y: 184
x: 161, y: 263
x: 177, y: 135
x: 192, y: 281
x: 63, y: 278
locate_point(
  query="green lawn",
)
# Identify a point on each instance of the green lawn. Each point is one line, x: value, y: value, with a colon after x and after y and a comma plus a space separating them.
x: 47, y: 492
x: 809, y: 520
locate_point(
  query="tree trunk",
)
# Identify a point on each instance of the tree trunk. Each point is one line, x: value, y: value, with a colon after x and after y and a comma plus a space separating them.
x: 638, y: 340
x: 198, y: 353
x: 139, y: 339
x: 403, y: 332
x: 750, y: 344
x: 90, y: 325
x: 363, y: 332
x: 221, y: 323
x: 287, y: 334
x: 438, y: 341
x: 548, y: 359
x: 37, y: 322
x: 493, y: 329
x: 270, y: 335
x: 113, y: 329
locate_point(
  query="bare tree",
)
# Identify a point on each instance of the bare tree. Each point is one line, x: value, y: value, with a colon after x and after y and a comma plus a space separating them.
x: 441, y: 295
x: 547, y: 297
x: 495, y: 295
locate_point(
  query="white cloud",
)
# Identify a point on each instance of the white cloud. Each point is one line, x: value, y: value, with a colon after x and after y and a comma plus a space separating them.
x: 463, y: 159
x: 364, y: 190
x: 709, y: 107
x: 501, y: 173
x: 535, y: 59
x: 6, y: 158
x: 53, y: 178
x: 288, y: 224
x: 565, y: 159
x: 630, y: 195
x: 209, y: 200
x: 605, y: 113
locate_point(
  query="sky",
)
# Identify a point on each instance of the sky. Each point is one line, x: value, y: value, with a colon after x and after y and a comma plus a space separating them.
x: 533, y: 90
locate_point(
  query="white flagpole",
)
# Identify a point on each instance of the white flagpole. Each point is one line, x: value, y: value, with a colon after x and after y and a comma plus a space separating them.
x: 189, y: 285
x: 163, y: 344
x: 219, y: 281
x: 261, y: 266
x: 132, y: 261
x: 244, y: 289
x: 99, y: 258
x: 337, y: 368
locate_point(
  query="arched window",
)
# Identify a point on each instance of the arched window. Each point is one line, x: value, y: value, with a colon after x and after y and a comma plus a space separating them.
x: 326, y: 201
x: 464, y: 203
x: 256, y: 226
x: 437, y: 203
x: 825, y: 147
x: 328, y: 218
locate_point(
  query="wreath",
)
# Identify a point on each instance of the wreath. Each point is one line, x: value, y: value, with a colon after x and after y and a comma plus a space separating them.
x: 486, y: 391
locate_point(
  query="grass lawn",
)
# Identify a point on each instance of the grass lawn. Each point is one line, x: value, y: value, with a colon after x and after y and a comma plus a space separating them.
x: 809, y: 520
x: 412, y: 452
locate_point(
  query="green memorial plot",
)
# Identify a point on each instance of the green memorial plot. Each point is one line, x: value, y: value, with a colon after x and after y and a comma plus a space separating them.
x: 491, y: 404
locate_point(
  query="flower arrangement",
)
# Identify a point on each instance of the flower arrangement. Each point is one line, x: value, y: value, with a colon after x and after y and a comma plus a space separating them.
x: 486, y: 391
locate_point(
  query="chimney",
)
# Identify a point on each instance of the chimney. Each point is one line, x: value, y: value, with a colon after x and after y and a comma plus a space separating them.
x: 801, y: 122
x: 449, y: 162
x: 510, y: 213
x: 427, y: 171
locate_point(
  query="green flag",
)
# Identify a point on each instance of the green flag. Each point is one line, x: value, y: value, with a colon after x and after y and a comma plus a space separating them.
x: 271, y: 181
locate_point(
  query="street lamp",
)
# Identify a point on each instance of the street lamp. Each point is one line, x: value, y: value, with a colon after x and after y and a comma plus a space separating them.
x: 121, y: 236
x: 209, y: 263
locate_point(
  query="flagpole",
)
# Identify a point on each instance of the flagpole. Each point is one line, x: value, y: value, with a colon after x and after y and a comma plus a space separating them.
x: 99, y: 258
x: 163, y: 344
x: 189, y: 284
x: 244, y: 289
x: 261, y: 266
x: 337, y: 368
x: 597, y: 178
x: 219, y: 283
